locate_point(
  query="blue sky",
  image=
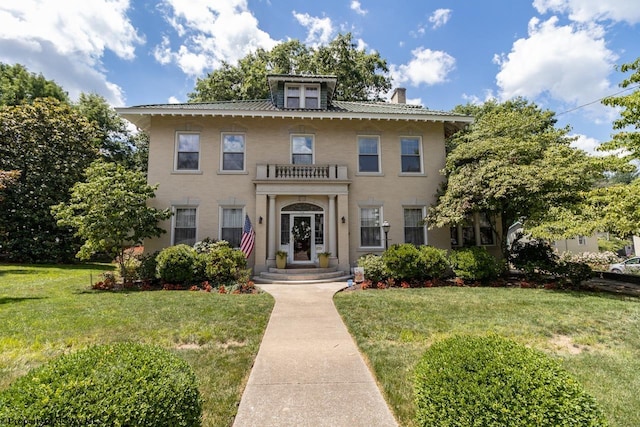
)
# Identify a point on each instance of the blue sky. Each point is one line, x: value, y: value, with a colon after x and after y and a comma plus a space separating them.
x: 562, y: 54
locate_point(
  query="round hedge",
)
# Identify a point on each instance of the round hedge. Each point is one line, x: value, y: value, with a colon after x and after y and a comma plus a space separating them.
x: 493, y: 381
x: 123, y: 384
x: 176, y: 264
x: 475, y: 263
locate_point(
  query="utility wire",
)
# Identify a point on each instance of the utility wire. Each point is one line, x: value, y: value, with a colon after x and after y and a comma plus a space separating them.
x: 598, y: 100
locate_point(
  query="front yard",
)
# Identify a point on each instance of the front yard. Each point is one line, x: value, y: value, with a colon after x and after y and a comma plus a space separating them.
x: 595, y: 336
x: 49, y: 310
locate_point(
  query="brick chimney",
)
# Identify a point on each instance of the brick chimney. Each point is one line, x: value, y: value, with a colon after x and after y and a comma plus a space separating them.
x: 399, y: 96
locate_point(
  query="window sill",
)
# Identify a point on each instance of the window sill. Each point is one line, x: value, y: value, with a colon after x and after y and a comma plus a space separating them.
x: 223, y: 172
x: 369, y: 174
x: 370, y: 249
x: 186, y: 172
x: 419, y: 174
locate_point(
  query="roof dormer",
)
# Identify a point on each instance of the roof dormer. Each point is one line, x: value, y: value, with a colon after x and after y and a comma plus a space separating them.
x: 301, y: 92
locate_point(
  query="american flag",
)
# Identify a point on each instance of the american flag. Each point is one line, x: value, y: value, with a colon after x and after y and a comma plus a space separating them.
x: 248, y: 237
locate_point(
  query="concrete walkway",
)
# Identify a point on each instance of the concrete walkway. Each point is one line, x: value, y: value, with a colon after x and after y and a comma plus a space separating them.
x: 308, y: 371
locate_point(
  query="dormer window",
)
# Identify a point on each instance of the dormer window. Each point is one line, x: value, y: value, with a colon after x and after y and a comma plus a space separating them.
x: 302, y: 96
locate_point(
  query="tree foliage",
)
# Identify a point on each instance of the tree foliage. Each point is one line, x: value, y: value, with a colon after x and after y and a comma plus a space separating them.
x: 109, y: 211
x: 17, y: 85
x: 513, y: 163
x: 629, y: 122
x: 51, y: 144
x: 116, y: 142
x: 361, y: 75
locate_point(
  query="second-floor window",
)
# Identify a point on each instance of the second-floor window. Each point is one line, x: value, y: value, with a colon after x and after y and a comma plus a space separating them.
x: 302, y: 149
x: 368, y: 154
x: 233, y: 148
x: 302, y: 96
x: 410, y: 155
x: 187, y: 151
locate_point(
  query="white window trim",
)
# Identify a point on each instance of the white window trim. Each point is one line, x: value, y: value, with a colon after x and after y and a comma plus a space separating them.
x: 421, y: 152
x: 381, y: 209
x: 177, y: 146
x: 313, y: 146
x: 221, y: 216
x: 379, y: 172
x: 302, y: 87
x: 174, y: 209
x: 424, y: 226
x: 244, y: 153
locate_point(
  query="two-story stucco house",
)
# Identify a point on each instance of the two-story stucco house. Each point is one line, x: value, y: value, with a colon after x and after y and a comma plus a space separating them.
x: 313, y: 174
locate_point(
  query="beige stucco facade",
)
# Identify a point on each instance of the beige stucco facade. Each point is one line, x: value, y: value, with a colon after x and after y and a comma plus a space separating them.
x: 331, y: 192
x: 268, y: 143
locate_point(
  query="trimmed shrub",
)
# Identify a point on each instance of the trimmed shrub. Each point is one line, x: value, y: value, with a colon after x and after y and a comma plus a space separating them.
x: 176, y: 264
x: 223, y: 265
x: 123, y: 384
x: 148, y: 266
x: 408, y: 262
x: 533, y: 257
x: 475, y: 263
x: 374, y: 267
x: 433, y: 262
x: 492, y: 381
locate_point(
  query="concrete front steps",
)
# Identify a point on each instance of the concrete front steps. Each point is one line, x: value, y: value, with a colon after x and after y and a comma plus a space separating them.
x: 302, y: 275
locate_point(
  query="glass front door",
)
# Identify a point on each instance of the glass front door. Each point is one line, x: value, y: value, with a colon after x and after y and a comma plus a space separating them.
x: 302, y: 232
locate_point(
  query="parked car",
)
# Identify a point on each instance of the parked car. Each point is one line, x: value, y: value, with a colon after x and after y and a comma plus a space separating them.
x: 631, y: 265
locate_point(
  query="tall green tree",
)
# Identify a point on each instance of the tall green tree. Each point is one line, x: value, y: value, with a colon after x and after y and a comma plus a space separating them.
x: 50, y: 144
x: 361, y: 75
x: 615, y: 207
x: 17, y: 85
x: 514, y: 164
x: 109, y: 211
x: 114, y: 140
x: 628, y: 124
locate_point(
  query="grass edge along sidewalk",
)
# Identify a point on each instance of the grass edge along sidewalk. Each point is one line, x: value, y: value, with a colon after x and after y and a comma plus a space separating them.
x: 596, y: 337
x: 48, y: 310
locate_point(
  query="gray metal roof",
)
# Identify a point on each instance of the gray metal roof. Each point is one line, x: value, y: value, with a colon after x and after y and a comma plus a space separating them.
x: 363, y: 110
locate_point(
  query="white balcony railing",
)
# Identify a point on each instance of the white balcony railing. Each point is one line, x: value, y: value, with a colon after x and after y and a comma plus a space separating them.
x: 302, y: 172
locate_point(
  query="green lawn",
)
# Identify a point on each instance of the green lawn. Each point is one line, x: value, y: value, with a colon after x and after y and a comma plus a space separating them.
x: 49, y: 310
x: 595, y: 336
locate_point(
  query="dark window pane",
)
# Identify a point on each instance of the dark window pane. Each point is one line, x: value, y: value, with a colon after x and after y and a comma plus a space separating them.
x: 232, y: 235
x: 370, y: 236
x: 284, y: 229
x: 311, y: 103
x: 368, y: 163
x: 188, y: 161
x: 233, y: 162
x: 184, y: 235
x: 302, y: 159
x: 410, y: 164
x: 414, y: 235
x: 293, y: 102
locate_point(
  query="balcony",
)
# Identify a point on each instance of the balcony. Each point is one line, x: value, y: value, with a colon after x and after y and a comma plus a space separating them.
x: 301, y: 173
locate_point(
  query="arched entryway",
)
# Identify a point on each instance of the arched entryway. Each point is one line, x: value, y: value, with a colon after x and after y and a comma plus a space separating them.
x: 302, y: 232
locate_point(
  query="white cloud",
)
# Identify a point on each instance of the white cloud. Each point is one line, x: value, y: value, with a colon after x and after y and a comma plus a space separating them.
x: 320, y: 30
x: 67, y: 43
x: 568, y: 63
x: 210, y: 32
x: 173, y: 100
x: 590, y: 145
x: 592, y: 10
x: 427, y: 66
x: 440, y: 17
x: 357, y: 8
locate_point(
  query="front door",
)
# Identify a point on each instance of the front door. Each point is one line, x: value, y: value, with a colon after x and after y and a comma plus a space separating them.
x: 302, y: 232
